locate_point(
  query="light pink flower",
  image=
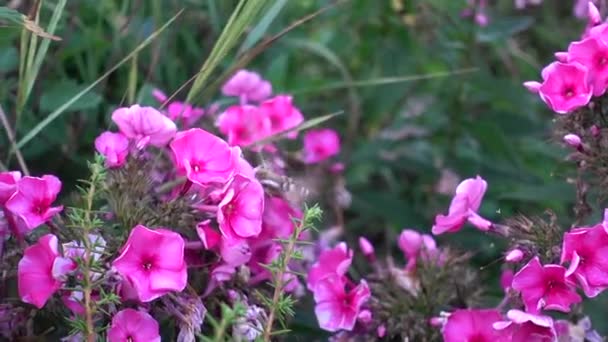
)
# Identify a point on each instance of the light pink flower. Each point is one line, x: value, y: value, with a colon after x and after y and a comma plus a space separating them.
x: 331, y: 262
x: 582, y: 10
x: 592, y: 53
x: 33, y: 199
x: 114, y: 147
x: 145, y: 125
x: 545, y: 287
x: 573, y: 140
x: 177, y: 110
x: 464, y: 207
x: 41, y: 271
x: 130, y: 325
x: 526, y: 327
x: 203, y: 157
x: 244, y: 125
x: 247, y: 85
x: 367, y: 248
x: 337, y: 307
x: 521, y: 4
x: 282, y: 114
x: 587, y: 251
x: 565, y: 88
x: 240, y: 211
x: 8, y: 185
x: 320, y: 144
x: 415, y: 245
x: 515, y: 255
x: 153, y: 262
x: 472, y: 325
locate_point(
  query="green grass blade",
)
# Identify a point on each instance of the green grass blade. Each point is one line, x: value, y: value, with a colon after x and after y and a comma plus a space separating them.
x: 32, y: 73
x: 261, y: 28
x: 54, y: 115
x: 243, y: 15
x: 384, y: 81
x: 303, y: 126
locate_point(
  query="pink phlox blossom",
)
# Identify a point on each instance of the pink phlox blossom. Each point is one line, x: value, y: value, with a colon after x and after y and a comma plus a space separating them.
x: 335, y: 261
x: 33, y: 199
x: 473, y: 325
x: 131, y: 325
x: 144, y: 125
x: 114, y: 147
x: 320, y: 145
x: 248, y: 86
x: 339, y: 302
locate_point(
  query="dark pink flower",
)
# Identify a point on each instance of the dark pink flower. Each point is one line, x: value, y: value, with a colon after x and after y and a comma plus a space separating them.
x: 209, y: 236
x: 415, y: 245
x: 153, y: 271
x: 278, y: 219
x: 472, y: 325
x: 130, y: 325
x: 544, y: 287
x: 244, y: 125
x: 282, y: 114
x: 235, y: 251
x: 506, y: 279
x: 592, y: 53
x: 337, y: 307
x: 565, y: 88
x: 464, y: 207
x: 331, y: 262
x: 33, y: 199
x: 587, y: 251
x: 145, y: 125
x: 247, y: 85
x: 525, y: 327
x: 203, y: 157
x: 240, y: 211
x: 114, y: 147
x: 8, y: 185
x: 41, y: 271
x: 177, y: 110
x: 320, y: 144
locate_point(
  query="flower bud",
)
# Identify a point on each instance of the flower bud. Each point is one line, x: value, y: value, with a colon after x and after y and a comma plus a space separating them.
x: 574, y: 141
x: 515, y: 255
x: 561, y: 56
x: 367, y: 248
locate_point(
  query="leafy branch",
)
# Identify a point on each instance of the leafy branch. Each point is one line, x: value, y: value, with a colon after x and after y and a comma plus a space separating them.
x: 281, y: 305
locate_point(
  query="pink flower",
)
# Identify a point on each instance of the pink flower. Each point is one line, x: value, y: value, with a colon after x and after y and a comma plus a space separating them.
x: 331, y: 262
x: 282, y: 114
x: 514, y: 255
x: 587, y: 251
x: 114, y: 147
x: 153, y: 271
x: 367, y: 248
x: 203, y: 157
x: 130, y: 325
x: 278, y: 219
x: 248, y: 86
x: 414, y: 245
x: 8, y: 185
x: 525, y: 327
x: 320, y: 144
x: 240, y: 211
x: 472, y: 325
x: 41, y: 271
x: 179, y: 110
x: 506, y: 279
x: 544, y: 287
x: 464, y: 206
x: 145, y: 125
x: 235, y: 251
x: 209, y: 236
x: 592, y: 53
x: 336, y: 307
x: 244, y: 125
x: 573, y: 140
x: 565, y: 88
x: 33, y: 199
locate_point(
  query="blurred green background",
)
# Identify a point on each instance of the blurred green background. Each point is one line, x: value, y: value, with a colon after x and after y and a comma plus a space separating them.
x: 399, y: 139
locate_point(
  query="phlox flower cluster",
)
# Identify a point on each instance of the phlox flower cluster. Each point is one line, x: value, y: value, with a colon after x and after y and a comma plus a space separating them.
x: 157, y: 267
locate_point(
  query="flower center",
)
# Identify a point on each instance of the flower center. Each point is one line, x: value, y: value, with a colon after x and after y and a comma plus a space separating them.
x: 129, y: 339
x: 147, y: 264
x: 569, y: 91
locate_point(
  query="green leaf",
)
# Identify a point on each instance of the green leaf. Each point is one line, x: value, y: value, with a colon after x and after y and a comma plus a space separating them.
x: 9, y: 59
x: 502, y: 28
x: 260, y: 29
x: 34, y: 131
x: 62, y: 92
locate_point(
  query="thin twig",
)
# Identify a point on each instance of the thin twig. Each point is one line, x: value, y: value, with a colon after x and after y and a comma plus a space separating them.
x: 11, y: 139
